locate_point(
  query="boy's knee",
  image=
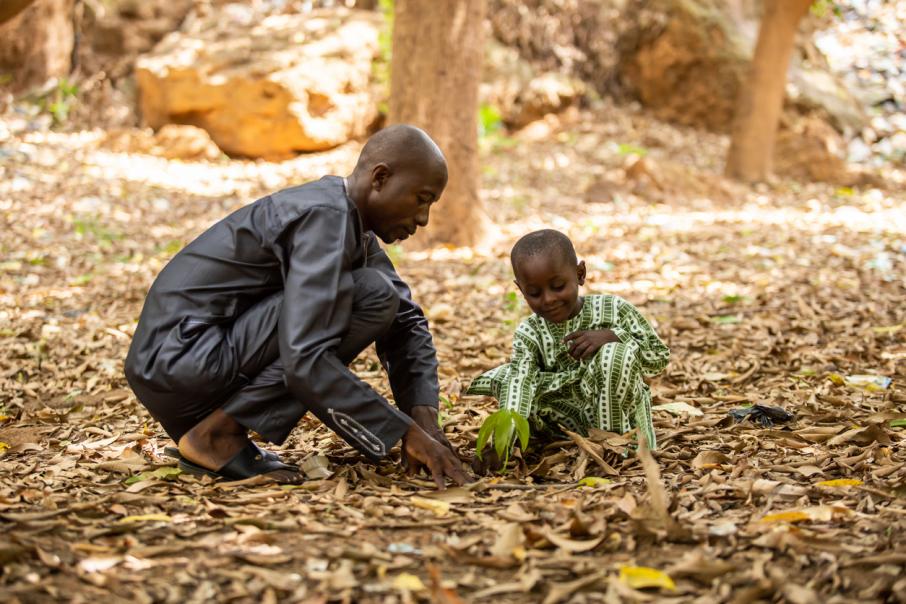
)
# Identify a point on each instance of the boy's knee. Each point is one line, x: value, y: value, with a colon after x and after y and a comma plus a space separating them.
x: 616, y: 353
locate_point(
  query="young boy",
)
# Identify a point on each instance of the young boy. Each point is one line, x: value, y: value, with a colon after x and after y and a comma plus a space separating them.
x: 578, y: 362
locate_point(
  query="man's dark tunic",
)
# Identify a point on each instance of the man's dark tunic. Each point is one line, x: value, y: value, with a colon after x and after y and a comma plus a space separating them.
x: 265, y: 296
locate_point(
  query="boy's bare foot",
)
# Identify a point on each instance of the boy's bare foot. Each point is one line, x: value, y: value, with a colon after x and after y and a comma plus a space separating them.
x: 220, y: 445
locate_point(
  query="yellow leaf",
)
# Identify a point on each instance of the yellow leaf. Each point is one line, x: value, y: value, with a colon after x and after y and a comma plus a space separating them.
x: 440, y: 508
x: 5, y: 418
x: 408, y: 582
x: 837, y: 379
x: 146, y: 518
x: 594, y: 481
x: 3, y: 446
x: 817, y: 513
x: 638, y: 577
x: 840, y: 482
x: 791, y: 516
x: 889, y: 329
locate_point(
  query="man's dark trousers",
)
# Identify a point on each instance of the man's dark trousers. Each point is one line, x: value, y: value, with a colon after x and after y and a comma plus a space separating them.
x: 237, y: 366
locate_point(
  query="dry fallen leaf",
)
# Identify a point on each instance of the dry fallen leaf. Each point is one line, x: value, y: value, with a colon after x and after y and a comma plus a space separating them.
x: 640, y: 577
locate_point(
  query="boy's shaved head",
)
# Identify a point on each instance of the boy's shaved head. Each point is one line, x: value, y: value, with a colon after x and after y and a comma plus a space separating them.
x: 401, y: 147
x: 543, y: 242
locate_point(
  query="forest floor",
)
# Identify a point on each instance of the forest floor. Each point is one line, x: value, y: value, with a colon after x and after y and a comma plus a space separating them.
x: 776, y: 295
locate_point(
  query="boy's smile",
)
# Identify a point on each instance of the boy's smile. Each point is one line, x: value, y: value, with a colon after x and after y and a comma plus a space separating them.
x: 550, y: 285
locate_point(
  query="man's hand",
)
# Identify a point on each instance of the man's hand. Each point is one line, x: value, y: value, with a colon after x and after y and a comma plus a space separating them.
x: 584, y: 344
x: 426, y: 418
x: 419, y: 450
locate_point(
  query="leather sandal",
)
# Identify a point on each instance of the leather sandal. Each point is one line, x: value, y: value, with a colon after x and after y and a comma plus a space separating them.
x: 268, y: 455
x: 248, y: 462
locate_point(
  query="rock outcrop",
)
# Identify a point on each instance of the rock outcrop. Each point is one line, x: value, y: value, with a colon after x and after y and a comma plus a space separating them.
x: 690, y: 59
x: 684, y: 59
x: 266, y: 87
x: 521, y: 94
x: 173, y: 141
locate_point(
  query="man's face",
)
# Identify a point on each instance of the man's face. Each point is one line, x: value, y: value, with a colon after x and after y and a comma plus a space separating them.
x: 401, y: 202
x: 550, y: 285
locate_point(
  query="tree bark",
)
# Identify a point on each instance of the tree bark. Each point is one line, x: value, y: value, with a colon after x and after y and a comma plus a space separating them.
x: 435, y: 73
x: 36, y: 44
x: 11, y: 8
x: 761, y: 97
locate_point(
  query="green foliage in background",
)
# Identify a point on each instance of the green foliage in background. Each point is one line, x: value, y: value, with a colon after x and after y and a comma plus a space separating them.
x: 502, y: 428
x: 820, y: 8
x: 491, y: 133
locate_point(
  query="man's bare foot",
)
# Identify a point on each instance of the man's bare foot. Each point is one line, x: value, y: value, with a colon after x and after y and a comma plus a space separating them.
x: 214, y: 441
x: 218, y: 439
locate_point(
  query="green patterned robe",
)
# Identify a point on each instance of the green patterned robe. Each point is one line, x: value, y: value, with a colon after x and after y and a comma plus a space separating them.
x: 543, y: 383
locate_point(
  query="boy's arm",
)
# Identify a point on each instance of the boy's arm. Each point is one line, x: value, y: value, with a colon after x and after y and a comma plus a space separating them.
x: 517, y: 392
x: 632, y: 326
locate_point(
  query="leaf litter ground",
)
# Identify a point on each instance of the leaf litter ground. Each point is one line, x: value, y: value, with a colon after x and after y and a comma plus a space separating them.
x: 773, y: 296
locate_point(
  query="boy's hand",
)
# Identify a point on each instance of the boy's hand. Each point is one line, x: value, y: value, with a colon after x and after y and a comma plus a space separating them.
x: 426, y: 418
x: 584, y: 344
x: 419, y: 450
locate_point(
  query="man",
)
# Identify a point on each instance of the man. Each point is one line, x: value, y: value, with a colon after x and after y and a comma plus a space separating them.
x: 253, y: 324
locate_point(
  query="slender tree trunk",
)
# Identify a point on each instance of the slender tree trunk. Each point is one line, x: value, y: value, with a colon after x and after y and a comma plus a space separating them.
x: 761, y: 97
x: 435, y: 73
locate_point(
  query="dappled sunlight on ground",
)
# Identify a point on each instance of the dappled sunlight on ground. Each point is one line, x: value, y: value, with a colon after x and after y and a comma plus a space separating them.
x: 763, y: 294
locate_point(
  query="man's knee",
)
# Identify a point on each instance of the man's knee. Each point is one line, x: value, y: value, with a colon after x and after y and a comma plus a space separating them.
x: 375, y: 296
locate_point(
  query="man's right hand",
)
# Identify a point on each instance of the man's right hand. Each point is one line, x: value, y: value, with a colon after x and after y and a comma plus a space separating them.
x: 419, y: 450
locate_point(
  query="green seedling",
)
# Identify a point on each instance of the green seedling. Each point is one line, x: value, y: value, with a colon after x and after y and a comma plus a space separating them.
x: 502, y: 428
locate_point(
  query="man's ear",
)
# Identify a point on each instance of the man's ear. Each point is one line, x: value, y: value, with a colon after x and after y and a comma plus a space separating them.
x: 520, y: 287
x: 580, y: 272
x: 379, y: 175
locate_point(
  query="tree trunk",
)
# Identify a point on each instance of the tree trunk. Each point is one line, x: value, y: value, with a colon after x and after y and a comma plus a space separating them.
x: 36, y: 44
x: 435, y: 73
x: 11, y: 8
x: 761, y: 97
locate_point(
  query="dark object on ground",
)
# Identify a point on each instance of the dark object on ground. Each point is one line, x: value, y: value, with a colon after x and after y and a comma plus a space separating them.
x: 247, y: 463
x: 762, y: 414
x: 265, y: 454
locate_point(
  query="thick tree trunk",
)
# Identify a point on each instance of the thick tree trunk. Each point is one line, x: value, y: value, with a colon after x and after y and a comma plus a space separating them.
x: 36, y: 44
x: 11, y: 8
x: 435, y: 73
x: 761, y: 98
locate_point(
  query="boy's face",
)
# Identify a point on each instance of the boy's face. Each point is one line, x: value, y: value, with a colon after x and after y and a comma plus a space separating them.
x: 399, y: 203
x: 550, y: 285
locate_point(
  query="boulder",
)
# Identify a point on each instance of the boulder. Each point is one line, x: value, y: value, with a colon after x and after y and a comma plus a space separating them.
x: 170, y: 142
x: 520, y: 93
x: 265, y: 87
x: 810, y: 150
x: 689, y: 58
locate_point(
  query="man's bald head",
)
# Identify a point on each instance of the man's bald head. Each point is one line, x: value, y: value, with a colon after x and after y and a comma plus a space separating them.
x: 401, y: 147
x: 400, y: 175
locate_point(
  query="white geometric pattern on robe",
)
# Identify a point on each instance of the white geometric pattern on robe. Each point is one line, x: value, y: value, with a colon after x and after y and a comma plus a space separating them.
x: 542, y: 381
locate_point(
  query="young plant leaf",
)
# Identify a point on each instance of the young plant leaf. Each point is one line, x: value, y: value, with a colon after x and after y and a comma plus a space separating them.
x: 484, y: 433
x: 503, y: 428
x: 522, y: 430
x: 503, y: 436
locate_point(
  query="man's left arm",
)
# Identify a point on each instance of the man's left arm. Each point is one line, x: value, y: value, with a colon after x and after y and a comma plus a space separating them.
x: 407, y: 351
